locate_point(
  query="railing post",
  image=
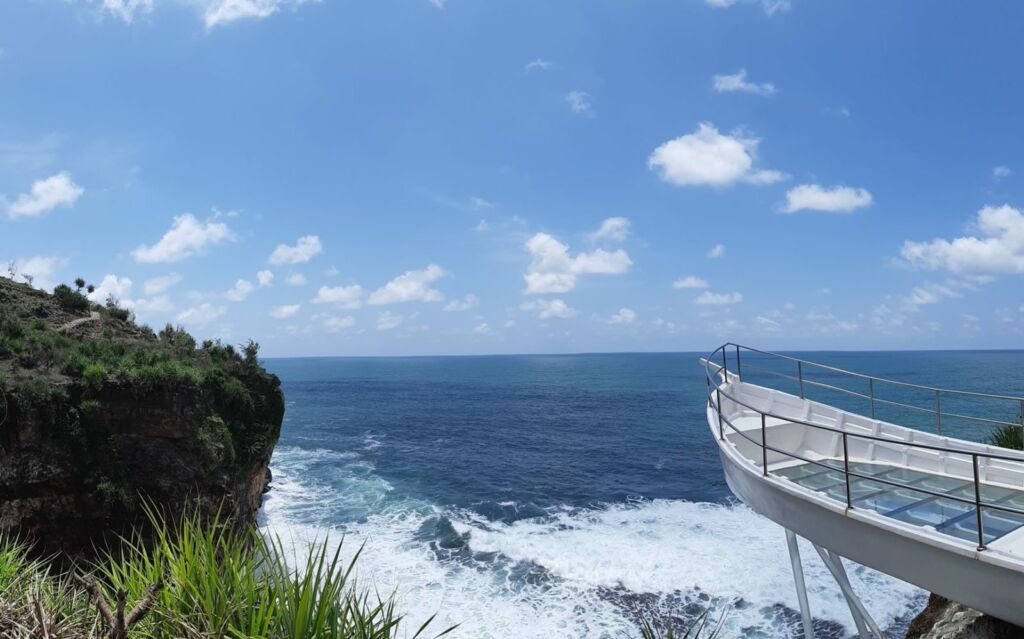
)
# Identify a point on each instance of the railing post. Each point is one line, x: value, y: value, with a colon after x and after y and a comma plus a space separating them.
x: 871, y: 394
x: 1021, y: 418
x: 725, y: 366
x: 718, y: 398
x: 938, y: 412
x: 800, y: 376
x: 764, y: 446
x: 977, y: 502
x: 846, y: 471
x: 739, y: 372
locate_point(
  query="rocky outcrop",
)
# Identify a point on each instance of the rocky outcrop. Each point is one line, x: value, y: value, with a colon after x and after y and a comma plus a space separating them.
x: 99, y: 421
x: 945, y: 619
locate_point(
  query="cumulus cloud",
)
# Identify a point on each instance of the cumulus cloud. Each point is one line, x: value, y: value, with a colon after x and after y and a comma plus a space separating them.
x: 707, y: 298
x: 836, y: 199
x: 285, y: 311
x: 709, y: 158
x: 42, y: 269
x: 157, y: 285
x: 340, y: 296
x: 305, y: 249
x: 538, y: 64
x: 224, y: 11
x: 622, y: 316
x: 998, y: 247
x: 295, y: 279
x: 411, y: 286
x: 240, y: 291
x: 387, y: 321
x: 265, y: 278
x: 187, y: 237
x: 337, y: 324
x: 46, y: 195
x: 547, y: 309
x: 202, y: 314
x: 127, y: 10
x: 738, y: 82
x: 464, y: 304
x: 1000, y: 172
x: 482, y: 329
x: 717, y: 251
x: 580, y: 102
x: 614, y: 229
x: 770, y: 7
x: 553, y: 270
x: 690, y: 281
x: 111, y: 285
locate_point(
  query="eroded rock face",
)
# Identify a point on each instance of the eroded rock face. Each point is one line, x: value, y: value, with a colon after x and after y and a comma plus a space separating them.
x: 74, y: 473
x: 945, y: 619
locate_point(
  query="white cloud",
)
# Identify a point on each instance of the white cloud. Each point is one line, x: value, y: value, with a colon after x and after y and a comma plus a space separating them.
x: 466, y: 303
x: 187, y: 237
x: 157, y: 285
x: 539, y: 64
x: 156, y: 304
x: 717, y: 251
x: 341, y: 296
x: 225, y: 11
x: 295, y: 279
x: 202, y: 314
x: 46, y: 195
x: 387, y: 321
x: 42, y: 270
x: 285, y: 311
x: 716, y: 299
x: 770, y: 7
x: 999, y: 249
x: 337, y: 324
x: 690, y: 281
x: 580, y: 102
x: 119, y: 287
x: 511, y: 323
x: 709, y: 158
x: 265, y: 277
x: 623, y: 316
x: 240, y: 291
x: 411, y: 286
x: 482, y: 329
x: 836, y: 199
x: 553, y: 270
x: 738, y: 82
x: 480, y: 203
x: 305, y: 249
x: 1000, y: 171
x: 482, y: 227
x: 127, y: 9
x: 614, y: 229
x: 547, y: 309
x: 438, y: 3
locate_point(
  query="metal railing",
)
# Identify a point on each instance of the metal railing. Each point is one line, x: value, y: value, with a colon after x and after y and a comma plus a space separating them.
x: 716, y: 393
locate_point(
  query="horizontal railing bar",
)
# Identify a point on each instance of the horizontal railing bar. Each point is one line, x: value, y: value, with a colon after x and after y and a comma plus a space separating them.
x: 941, y: 495
x: 877, y: 379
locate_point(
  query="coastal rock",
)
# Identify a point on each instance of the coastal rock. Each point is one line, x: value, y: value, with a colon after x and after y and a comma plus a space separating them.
x: 945, y: 619
x: 100, y: 421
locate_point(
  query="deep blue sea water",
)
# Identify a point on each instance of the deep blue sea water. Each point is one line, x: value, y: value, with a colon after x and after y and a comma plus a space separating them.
x: 560, y: 495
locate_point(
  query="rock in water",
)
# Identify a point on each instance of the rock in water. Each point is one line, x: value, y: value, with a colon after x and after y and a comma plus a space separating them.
x: 945, y: 619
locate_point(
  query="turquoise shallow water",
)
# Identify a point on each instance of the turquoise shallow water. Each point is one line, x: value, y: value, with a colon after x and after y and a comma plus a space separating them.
x: 560, y: 495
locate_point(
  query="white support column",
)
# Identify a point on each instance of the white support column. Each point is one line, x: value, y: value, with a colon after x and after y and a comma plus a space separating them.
x: 861, y: 616
x: 801, y: 587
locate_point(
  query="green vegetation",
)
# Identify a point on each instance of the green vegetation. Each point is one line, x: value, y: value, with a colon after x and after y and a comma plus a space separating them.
x: 698, y: 629
x: 195, y: 579
x: 1008, y: 437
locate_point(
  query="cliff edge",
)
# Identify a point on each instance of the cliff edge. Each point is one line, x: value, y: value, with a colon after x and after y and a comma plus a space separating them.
x: 98, y: 414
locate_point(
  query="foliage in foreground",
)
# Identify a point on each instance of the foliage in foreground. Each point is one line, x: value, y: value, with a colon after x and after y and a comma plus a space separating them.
x: 194, y: 579
x: 1007, y: 437
x: 698, y: 629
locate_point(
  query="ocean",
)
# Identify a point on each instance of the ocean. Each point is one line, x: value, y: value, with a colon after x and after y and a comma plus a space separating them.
x: 562, y: 495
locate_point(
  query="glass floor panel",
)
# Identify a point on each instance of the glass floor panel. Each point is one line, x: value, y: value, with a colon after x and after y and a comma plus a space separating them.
x: 947, y: 515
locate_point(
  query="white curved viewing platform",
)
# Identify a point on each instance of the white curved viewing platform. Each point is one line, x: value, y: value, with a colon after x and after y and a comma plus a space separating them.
x: 942, y: 513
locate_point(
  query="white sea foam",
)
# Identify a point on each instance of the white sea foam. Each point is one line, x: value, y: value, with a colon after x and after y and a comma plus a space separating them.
x: 577, y: 557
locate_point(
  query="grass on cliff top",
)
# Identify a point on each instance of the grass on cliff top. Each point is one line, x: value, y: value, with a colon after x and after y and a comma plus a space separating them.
x: 199, y: 579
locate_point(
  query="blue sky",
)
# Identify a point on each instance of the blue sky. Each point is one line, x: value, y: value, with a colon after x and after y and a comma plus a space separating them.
x: 418, y: 177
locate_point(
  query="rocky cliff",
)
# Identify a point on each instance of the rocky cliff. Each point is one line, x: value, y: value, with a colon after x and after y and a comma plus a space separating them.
x: 945, y: 619
x: 99, y: 415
